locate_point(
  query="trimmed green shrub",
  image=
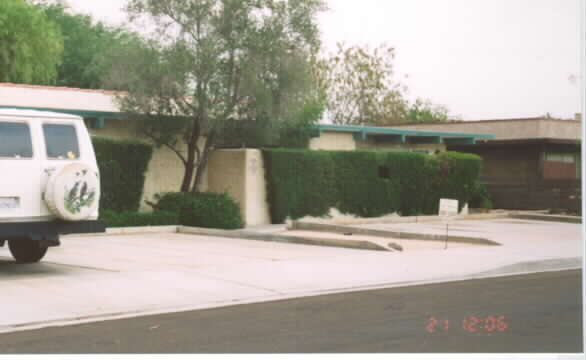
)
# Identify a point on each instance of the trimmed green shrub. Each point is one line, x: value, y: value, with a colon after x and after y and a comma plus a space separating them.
x: 122, y: 165
x: 411, y: 178
x: 365, y: 183
x: 480, y: 197
x: 299, y: 183
x: 361, y: 188
x: 123, y: 219
x: 208, y: 210
x: 456, y: 175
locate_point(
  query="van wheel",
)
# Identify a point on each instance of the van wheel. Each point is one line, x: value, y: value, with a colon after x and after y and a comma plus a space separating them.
x: 27, y: 251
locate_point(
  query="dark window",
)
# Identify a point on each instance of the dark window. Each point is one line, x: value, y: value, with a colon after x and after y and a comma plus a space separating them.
x: 61, y: 141
x: 561, y: 165
x: 384, y: 172
x: 15, y: 140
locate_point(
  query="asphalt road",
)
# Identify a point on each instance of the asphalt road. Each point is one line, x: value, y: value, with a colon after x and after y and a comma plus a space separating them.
x: 530, y: 313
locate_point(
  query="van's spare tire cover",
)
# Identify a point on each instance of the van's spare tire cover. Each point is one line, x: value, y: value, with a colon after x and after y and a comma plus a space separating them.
x: 73, y: 192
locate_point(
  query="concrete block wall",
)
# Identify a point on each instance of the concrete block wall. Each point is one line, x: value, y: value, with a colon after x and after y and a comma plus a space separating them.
x: 241, y: 174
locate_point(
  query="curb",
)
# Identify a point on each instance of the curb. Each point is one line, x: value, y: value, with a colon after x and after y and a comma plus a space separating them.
x: 249, y: 235
x: 300, y: 225
x: 543, y: 217
x: 407, y: 219
x: 131, y: 231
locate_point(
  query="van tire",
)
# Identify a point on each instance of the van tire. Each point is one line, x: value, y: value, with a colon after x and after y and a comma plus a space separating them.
x: 27, y: 251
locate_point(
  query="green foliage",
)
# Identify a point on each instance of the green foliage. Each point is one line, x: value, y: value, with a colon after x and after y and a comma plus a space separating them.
x: 31, y: 46
x: 297, y: 133
x: 412, y: 177
x: 208, y: 210
x: 122, y: 165
x: 367, y: 195
x: 299, y: 183
x: 480, y: 197
x: 86, y: 45
x: 262, y: 132
x: 365, y: 183
x: 224, y: 60
x: 360, y: 86
x: 455, y: 176
x: 130, y: 218
x: 426, y: 112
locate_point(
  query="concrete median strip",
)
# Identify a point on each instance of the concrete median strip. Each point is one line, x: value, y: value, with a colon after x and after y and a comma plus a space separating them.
x: 342, y: 229
x: 547, y: 217
x: 351, y: 226
x: 250, y: 235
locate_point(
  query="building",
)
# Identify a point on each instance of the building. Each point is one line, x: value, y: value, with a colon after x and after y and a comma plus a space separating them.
x: 348, y: 137
x: 239, y: 172
x: 532, y: 163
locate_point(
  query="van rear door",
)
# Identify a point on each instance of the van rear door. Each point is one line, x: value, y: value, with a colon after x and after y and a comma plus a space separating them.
x: 20, y: 184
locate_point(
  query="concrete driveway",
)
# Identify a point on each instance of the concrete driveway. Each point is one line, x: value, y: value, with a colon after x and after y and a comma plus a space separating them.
x: 93, y: 278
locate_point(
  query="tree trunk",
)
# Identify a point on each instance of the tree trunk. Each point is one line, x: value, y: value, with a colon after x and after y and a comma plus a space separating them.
x: 203, y: 163
x: 189, y: 170
x: 190, y: 167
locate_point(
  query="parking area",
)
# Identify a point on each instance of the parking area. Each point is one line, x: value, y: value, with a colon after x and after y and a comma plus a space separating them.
x: 101, y: 277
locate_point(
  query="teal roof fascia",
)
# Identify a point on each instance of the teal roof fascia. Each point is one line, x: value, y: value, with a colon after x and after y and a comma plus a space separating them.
x: 82, y: 113
x: 370, y: 130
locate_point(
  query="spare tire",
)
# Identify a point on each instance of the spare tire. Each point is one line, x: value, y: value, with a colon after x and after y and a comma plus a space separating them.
x: 73, y: 192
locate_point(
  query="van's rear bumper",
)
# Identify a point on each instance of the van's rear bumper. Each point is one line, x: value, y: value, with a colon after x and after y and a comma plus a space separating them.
x: 48, y: 230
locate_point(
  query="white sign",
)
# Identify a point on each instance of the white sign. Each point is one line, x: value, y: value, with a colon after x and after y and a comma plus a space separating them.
x: 448, y: 208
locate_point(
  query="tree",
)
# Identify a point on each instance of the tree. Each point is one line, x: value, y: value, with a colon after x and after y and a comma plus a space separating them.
x: 86, y: 46
x: 30, y: 45
x: 360, y: 86
x: 424, y: 111
x: 214, y: 61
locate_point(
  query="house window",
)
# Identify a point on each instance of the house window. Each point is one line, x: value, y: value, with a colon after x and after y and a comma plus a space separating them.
x: 561, y: 165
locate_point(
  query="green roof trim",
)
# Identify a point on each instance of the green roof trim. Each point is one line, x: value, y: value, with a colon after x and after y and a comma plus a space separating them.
x: 365, y: 131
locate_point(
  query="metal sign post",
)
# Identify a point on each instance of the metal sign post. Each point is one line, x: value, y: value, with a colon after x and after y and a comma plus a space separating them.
x: 448, y: 209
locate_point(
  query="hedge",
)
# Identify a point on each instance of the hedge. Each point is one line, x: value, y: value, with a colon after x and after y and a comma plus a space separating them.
x: 365, y: 183
x: 123, y: 219
x: 122, y: 167
x: 208, y: 210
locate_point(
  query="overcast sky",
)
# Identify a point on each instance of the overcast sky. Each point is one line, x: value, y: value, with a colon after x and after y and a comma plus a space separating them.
x: 483, y: 59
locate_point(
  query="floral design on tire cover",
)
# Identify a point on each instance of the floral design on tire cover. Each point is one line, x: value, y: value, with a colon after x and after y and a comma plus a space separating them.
x: 77, y: 198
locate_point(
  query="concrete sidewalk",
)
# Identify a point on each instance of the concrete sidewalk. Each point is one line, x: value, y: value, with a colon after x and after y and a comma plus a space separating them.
x: 97, y: 278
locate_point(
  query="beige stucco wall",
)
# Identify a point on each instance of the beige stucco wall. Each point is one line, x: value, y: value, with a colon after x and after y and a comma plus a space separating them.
x: 226, y: 173
x: 561, y: 129
x: 509, y: 129
x: 329, y: 140
x: 257, y: 207
x: 240, y: 173
x: 371, y: 145
x: 165, y: 170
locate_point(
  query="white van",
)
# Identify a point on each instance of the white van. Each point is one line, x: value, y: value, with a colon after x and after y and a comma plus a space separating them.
x: 49, y: 181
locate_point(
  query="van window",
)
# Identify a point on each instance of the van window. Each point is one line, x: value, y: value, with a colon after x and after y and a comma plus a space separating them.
x: 15, y: 140
x: 61, y: 141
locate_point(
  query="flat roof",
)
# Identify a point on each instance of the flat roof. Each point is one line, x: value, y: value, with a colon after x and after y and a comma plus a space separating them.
x: 11, y: 112
x: 62, y: 88
x: 527, y: 141
x: 459, y: 122
x: 374, y: 130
